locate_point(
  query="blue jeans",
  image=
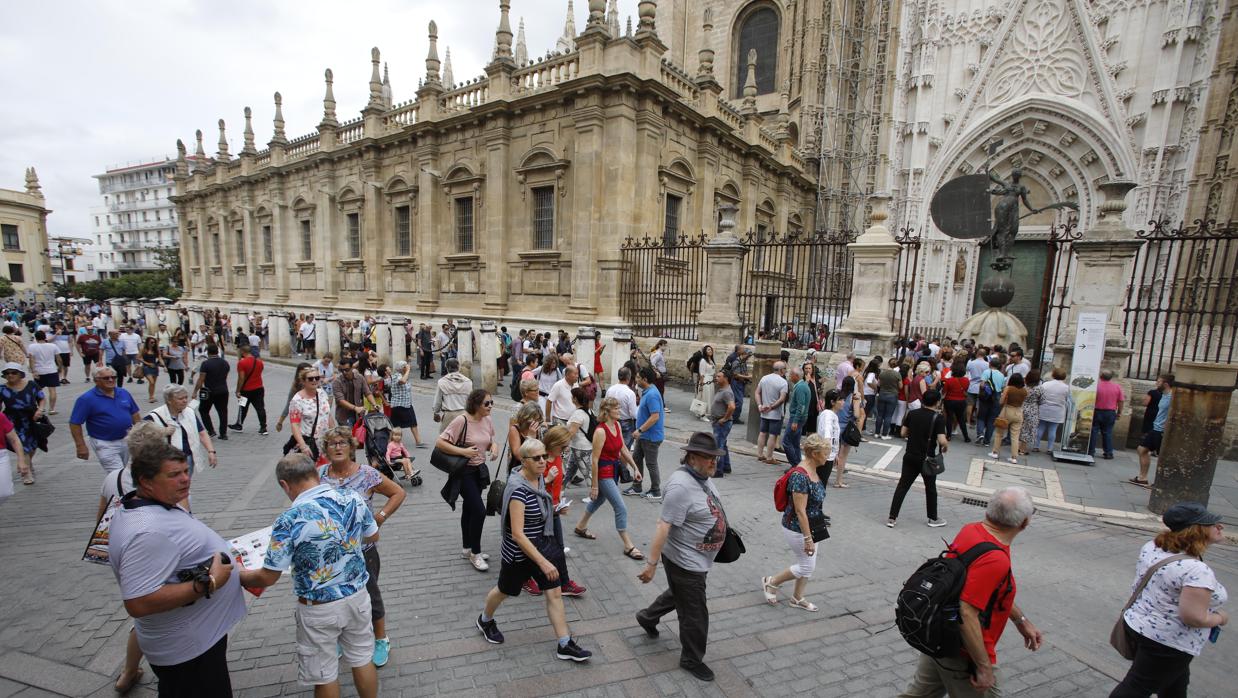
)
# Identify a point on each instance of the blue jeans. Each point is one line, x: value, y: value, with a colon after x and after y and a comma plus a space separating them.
x: 1102, y: 426
x: 886, y: 406
x: 1046, y: 431
x: 608, y: 491
x: 738, y: 390
x: 626, y: 427
x: 791, y: 444
x: 986, y: 414
x: 721, y: 432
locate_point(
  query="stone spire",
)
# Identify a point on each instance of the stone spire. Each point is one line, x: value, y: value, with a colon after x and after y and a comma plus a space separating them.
x: 182, y: 163
x: 386, y: 88
x: 750, y: 84
x: 503, y: 35
x: 646, y: 11
x: 567, y: 42
x: 223, y: 155
x: 279, y: 137
x: 376, y: 81
x: 248, y: 148
x: 328, y: 102
x: 522, y: 49
x: 432, y: 62
x: 448, y: 78
x: 705, y: 57
x: 628, y: 33
x: 32, y: 183
x: 199, y: 155
x: 612, y: 18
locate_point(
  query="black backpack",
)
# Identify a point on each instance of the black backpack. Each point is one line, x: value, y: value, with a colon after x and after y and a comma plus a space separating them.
x: 694, y: 361
x: 592, y: 426
x: 927, y: 613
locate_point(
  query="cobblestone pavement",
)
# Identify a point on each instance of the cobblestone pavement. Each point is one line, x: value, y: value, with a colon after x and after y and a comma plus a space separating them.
x: 62, y: 629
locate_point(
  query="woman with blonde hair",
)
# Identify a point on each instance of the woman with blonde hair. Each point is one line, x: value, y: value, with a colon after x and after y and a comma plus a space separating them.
x: 525, y: 424
x: 803, y: 523
x: 609, y: 455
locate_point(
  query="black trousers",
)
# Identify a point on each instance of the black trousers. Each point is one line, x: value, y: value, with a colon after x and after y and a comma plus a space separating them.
x: 912, y: 469
x: 176, y: 375
x: 204, y: 676
x: 427, y: 363
x: 219, y: 401
x: 956, y: 414
x: 1157, y: 669
x: 685, y: 595
x: 257, y: 399
x: 473, y: 511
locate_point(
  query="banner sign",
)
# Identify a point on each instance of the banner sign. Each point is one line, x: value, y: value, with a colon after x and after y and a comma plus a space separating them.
x: 1084, y: 374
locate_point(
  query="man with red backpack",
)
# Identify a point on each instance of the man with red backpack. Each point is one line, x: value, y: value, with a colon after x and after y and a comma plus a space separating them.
x: 957, y: 634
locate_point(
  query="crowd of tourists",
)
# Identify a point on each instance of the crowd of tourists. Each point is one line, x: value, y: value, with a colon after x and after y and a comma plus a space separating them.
x: 568, y: 429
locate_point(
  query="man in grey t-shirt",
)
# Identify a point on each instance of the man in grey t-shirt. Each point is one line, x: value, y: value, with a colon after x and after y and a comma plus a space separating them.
x: 771, y: 395
x: 721, y: 414
x: 691, y: 529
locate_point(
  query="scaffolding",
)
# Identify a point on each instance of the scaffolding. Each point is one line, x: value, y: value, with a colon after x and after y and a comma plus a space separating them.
x: 854, y: 88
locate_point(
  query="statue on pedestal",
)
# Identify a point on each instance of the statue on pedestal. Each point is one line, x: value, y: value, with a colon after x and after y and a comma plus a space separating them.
x: 1006, y: 216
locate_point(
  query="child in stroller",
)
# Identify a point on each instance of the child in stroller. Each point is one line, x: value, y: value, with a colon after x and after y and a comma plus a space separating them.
x: 378, y: 437
x: 399, y: 457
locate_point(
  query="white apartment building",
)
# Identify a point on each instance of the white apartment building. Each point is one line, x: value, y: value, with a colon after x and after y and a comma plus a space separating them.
x: 137, y: 217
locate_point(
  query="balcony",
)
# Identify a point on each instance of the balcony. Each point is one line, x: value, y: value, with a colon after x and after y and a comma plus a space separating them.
x: 137, y: 266
x: 144, y: 225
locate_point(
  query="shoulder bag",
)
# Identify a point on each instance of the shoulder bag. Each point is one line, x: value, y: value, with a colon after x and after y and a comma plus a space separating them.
x: 291, y: 445
x: 732, y: 544
x: 933, y: 465
x: 851, y: 435
x: 449, y: 462
x: 1119, y: 637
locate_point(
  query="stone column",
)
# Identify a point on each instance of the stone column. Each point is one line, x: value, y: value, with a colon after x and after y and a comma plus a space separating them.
x: 874, y: 272
x: 1104, y: 258
x: 620, y: 349
x: 719, y: 323
x: 240, y: 321
x: 277, y: 335
x: 152, y: 320
x: 1194, y: 435
x: 488, y: 355
x: 382, y: 340
x: 767, y: 352
x: 131, y: 312
x: 118, y: 315
x: 399, y: 350
x: 330, y: 323
x: 195, y: 318
x: 585, y: 343
x: 464, y: 345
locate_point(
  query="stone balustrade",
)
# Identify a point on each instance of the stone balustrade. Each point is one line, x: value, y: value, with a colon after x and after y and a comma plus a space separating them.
x: 350, y: 132
x: 547, y: 73
x: 472, y: 94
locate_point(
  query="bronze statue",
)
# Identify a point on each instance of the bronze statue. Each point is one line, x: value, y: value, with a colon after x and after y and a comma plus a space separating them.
x: 1006, y: 216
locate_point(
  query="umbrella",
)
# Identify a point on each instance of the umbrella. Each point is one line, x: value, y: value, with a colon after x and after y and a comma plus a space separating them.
x: 60, y: 299
x: 160, y: 299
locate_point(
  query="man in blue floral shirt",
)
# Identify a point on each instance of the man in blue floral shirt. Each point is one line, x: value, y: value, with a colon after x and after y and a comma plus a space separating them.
x: 321, y: 538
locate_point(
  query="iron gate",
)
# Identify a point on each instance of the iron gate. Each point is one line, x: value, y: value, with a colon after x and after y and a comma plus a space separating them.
x: 663, y: 285
x: 1055, y: 290
x: 902, y: 303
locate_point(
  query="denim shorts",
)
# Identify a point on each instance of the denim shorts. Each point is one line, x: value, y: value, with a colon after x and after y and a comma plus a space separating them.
x: 771, y: 426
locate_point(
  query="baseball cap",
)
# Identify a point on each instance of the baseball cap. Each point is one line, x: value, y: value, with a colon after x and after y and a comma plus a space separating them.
x: 1184, y: 514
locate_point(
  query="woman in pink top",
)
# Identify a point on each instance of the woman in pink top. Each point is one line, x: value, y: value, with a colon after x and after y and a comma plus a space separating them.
x: 475, y: 432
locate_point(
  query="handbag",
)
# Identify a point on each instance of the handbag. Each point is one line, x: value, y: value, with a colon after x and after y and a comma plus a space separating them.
x: 732, y: 545
x: 1118, y: 637
x: 698, y: 407
x: 933, y: 465
x: 818, y: 529
x: 448, y: 462
x: 1001, y: 423
x: 494, y: 495
x: 851, y: 434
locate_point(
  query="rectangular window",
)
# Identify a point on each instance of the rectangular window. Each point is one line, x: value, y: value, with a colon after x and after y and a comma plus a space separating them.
x: 96, y: 221
x: 268, y: 246
x: 215, y: 251
x: 197, y: 252
x: 354, y: 235
x: 12, y: 241
x: 670, y: 233
x: 543, y: 218
x: 240, y: 246
x: 68, y: 263
x: 403, y: 231
x: 307, y: 241
x: 464, y: 224
x: 17, y: 274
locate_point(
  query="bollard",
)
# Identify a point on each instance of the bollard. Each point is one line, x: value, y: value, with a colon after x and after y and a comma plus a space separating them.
x: 1194, y: 434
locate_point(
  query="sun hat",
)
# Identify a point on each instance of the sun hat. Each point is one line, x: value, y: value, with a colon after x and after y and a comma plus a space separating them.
x: 14, y: 366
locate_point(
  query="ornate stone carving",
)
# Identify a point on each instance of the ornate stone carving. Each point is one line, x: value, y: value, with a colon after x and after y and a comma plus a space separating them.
x: 1041, y: 56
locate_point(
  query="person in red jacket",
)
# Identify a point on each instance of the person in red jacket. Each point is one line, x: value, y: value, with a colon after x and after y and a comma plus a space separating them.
x: 249, y: 387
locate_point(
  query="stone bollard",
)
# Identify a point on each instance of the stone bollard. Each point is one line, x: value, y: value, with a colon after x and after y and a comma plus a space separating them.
x: 1194, y: 435
x: 382, y: 341
x: 767, y: 352
x: 488, y: 356
x: 277, y: 335
x: 399, y: 350
x: 118, y: 315
x: 464, y: 346
x: 585, y: 343
x: 328, y: 328
x: 620, y: 351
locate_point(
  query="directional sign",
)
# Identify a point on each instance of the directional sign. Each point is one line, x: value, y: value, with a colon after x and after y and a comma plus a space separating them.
x: 1084, y: 374
x: 960, y: 208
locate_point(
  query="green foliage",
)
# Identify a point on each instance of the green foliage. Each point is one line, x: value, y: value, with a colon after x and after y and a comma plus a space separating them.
x: 6, y: 288
x: 169, y: 260
x: 146, y: 285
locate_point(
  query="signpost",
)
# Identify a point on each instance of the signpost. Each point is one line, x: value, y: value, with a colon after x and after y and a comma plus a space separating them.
x: 1084, y: 374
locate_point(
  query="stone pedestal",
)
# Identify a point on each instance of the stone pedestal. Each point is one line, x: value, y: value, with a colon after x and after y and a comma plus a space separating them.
x: 382, y: 341
x: 240, y: 322
x: 118, y: 314
x: 488, y: 356
x: 399, y: 350
x: 767, y: 352
x: 464, y: 346
x: 151, y: 316
x: 131, y: 313
x: 327, y: 328
x: 278, y: 340
x: 619, y: 350
x: 995, y: 326
x: 585, y: 343
x: 195, y: 318
x: 1194, y: 434
x: 719, y: 323
x: 874, y: 273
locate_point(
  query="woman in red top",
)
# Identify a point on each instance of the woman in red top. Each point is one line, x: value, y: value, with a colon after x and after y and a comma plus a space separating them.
x: 598, y: 348
x: 955, y: 395
x: 610, y: 454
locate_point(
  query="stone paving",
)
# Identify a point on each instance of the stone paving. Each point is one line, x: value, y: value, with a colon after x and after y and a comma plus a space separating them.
x: 63, y: 628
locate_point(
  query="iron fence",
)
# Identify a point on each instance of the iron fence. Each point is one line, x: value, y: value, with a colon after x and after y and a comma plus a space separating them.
x: 798, y: 282
x: 1182, y: 301
x: 663, y: 285
x: 1055, y: 288
x: 902, y: 302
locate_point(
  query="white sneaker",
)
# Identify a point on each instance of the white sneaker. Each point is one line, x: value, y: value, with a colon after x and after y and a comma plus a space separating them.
x: 479, y: 563
x: 889, y: 523
x: 466, y: 554
x: 993, y: 455
x: 936, y: 523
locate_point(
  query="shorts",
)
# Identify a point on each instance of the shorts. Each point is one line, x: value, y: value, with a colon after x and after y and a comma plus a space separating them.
x: 403, y: 417
x: 972, y: 398
x: 1152, y: 440
x: 771, y: 426
x: 345, y: 623
x: 88, y: 360
x: 513, y: 575
x: 48, y: 380
x: 66, y: 360
x: 148, y: 371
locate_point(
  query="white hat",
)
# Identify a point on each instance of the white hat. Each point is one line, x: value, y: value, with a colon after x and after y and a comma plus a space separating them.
x: 14, y: 366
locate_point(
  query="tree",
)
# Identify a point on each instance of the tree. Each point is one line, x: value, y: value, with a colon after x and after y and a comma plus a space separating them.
x: 169, y: 261
x: 6, y: 288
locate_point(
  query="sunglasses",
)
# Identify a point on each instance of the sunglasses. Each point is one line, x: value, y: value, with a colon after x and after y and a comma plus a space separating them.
x: 10, y: 373
x: 313, y: 378
x: 105, y: 378
x: 488, y: 403
x: 539, y: 456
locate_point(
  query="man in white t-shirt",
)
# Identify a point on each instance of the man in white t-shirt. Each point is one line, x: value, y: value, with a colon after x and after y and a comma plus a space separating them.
x: 309, y: 336
x: 1018, y: 364
x: 100, y: 322
x: 623, y: 393
x: 45, y: 365
x: 559, y: 405
x: 131, y: 342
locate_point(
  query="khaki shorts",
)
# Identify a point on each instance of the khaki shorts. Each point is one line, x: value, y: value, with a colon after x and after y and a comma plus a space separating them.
x: 320, y: 628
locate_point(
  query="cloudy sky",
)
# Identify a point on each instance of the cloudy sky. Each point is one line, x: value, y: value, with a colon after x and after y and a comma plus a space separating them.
x: 86, y: 85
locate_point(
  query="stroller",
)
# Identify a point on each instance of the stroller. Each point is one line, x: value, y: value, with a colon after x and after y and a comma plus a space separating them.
x: 377, y: 434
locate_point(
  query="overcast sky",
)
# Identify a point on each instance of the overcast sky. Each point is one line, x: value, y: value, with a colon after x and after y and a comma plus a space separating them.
x: 86, y: 85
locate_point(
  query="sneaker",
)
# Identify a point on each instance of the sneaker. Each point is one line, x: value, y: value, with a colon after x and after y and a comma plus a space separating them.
x: 889, y: 523
x: 479, y: 563
x: 223, y: 437
x: 530, y: 587
x: 739, y: 422
x: 577, y: 480
x: 936, y: 523
x: 632, y: 492
x: 235, y: 427
x: 667, y: 410
x: 382, y: 650
x: 466, y: 553
x: 572, y: 652
x: 263, y: 432
x: 572, y: 589
x: 490, y: 630
x: 652, y: 496
x: 993, y: 455
x: 698, y: 669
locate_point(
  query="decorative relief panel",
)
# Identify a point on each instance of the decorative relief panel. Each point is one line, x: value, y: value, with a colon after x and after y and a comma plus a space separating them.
x: 1041, y: 57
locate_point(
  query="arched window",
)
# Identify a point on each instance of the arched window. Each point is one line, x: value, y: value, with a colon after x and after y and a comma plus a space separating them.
x: 758, y: 30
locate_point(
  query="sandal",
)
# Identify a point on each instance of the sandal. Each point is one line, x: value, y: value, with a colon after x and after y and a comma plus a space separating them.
x: 584, y: 534
x: 125, y: 687
x: 804, y: 604
x: 27, y: 479
x: 633, y: 553
x: 770, y: 591
x: 1137, y: 481
x: 842, y: 485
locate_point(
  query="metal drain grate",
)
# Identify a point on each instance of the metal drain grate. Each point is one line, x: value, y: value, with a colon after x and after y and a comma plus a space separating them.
x: 976, y: 502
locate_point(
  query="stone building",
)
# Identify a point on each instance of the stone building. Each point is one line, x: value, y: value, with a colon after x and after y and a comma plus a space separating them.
x: 508, y: 196
x: 23, y: 223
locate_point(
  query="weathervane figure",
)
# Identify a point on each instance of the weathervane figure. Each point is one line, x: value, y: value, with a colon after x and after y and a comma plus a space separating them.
x: 1006, y: 216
